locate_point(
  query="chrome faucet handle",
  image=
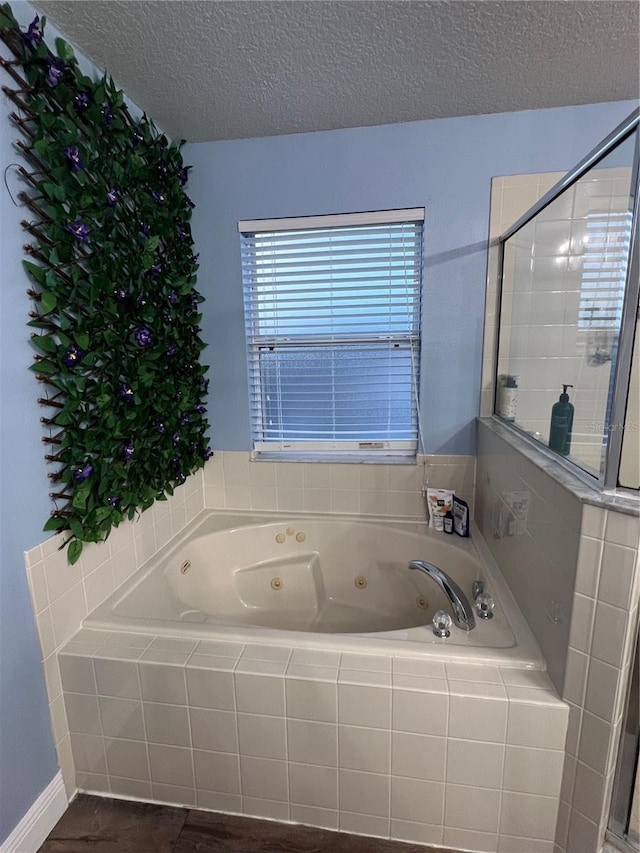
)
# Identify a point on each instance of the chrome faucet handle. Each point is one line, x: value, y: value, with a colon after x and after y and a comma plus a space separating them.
x: 477, y: 589
x: 485, y: 605
x: 442, y: 624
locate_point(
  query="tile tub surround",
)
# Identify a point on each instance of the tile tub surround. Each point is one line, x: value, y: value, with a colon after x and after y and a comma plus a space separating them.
x: 536, y: 553
x: 63, y: 595
x: 600, y: 556
x: 413, y: 750
x: 602, y: 637
x: 233, y: 481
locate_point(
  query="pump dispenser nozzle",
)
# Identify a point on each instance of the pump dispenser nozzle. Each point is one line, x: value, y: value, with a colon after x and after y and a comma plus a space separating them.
x: 564, y: 397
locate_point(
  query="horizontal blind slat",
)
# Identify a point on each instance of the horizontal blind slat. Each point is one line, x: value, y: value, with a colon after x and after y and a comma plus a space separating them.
x: 388, y: 218
x: 332, y: 318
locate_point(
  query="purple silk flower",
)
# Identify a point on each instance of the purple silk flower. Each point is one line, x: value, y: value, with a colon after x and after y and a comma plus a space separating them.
x: 72, y: 355
x: 73, y: 155
x: 79, y: 230
x: 83, y: 474
x: 127, y: 393
x: 55, y: 70
x: 33, y: 35
x: 143, y: 337
x: 81, y: 101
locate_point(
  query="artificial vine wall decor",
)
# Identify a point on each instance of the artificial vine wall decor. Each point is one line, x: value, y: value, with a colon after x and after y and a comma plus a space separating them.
x: 116, y: 312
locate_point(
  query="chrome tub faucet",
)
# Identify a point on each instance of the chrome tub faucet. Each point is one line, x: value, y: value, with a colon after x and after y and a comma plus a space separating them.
x: 461, y: 609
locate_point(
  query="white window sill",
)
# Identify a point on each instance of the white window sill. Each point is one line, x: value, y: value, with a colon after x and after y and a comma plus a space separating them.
x: 352, y: 458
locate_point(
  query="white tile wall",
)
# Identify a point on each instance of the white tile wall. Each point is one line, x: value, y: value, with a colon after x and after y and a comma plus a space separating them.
x: 540, y: 340
x: 63, y: 595
x: 233, y: 481
x: 511, y: 197
x: 331, y: 741
x: 605, y: 634
x: 596, y: 586
x: 537, y: 552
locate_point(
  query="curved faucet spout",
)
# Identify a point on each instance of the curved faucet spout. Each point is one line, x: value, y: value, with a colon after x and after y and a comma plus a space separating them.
x: 462, y: 611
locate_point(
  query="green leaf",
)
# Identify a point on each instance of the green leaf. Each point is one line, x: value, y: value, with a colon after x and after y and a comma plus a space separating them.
x: 79, y: 501
x: 7, y: 21
x: 46, y: 367
x: 64, y: 50
x: 42, y: 147
x: 37, y: 273
x: 48, y: 302
x: 102, y: 513
x: 99, y: 93
x: 82, y: 339
x: 45, y: 343
x: 56, y: 522
x: 49, y: 189
x: 73, y: 551
x: 76, y: 526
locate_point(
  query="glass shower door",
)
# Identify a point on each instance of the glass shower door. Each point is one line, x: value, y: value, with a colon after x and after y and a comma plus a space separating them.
x: 563, y: 291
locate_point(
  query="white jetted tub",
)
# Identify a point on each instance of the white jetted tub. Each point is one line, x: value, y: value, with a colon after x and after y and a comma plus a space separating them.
x: 318, y: 581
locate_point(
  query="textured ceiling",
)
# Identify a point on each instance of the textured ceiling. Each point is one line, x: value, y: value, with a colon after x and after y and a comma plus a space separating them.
x: 207, y: 69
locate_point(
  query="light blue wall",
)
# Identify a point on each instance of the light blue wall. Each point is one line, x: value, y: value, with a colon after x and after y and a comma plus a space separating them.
x: 27, y: 755
x: 445, y: 165
x: 28, y: 760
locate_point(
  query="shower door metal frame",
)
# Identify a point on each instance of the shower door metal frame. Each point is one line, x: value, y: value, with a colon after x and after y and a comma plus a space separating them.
x: 627, y: 761
x: 607, y: 477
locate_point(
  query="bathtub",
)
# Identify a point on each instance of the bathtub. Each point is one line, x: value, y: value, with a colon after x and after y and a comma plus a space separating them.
x: 318, y: 581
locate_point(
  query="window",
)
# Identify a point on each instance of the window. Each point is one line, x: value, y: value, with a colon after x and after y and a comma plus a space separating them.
x: 332, y: 309
x: 604, y: 247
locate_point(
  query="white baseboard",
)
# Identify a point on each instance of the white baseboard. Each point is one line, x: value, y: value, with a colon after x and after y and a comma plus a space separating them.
x: 38, y: 822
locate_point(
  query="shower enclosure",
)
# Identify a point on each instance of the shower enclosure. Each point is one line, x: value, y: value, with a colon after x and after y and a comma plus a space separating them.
x: 569, y: 316
x: 568, y: 356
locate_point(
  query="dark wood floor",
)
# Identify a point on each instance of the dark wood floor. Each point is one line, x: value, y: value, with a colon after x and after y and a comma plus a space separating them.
x: 103, y: 825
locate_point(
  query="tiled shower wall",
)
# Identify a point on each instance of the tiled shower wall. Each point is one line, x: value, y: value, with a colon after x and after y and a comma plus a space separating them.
x: 541, y: 341
x: 588, y: 564
x: 63, y: 595
x: 511, y: 197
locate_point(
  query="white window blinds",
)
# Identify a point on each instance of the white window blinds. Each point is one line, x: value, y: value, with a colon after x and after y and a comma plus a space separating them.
x: 332, y: 308
x: 605, y: 249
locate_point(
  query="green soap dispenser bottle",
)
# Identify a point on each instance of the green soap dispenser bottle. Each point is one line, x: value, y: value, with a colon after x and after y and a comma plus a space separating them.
x: 561, y: 423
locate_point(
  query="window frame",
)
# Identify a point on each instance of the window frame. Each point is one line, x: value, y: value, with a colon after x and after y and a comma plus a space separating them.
x: 336, y: 448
